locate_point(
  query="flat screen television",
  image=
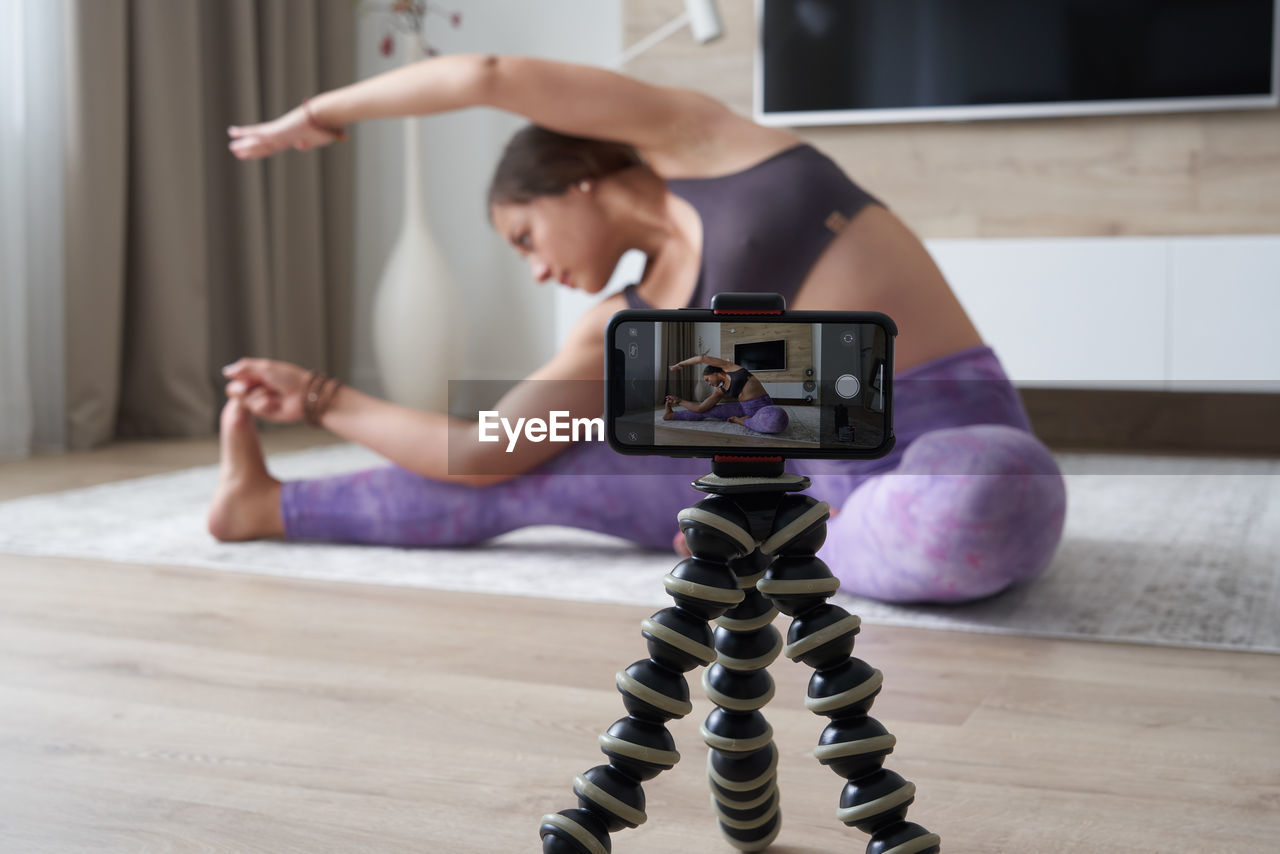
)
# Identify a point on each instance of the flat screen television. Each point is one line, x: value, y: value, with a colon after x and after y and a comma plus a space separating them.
x: 856, y: 61
x: 761, y: 355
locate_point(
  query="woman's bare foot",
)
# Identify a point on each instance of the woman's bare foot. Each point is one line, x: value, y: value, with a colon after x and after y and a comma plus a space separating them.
x: 669, y: 414
x: 737, y: 419
x: 246, y: 504
x: 680, y: 546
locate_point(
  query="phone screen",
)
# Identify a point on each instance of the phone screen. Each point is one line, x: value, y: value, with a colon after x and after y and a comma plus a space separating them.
x: 807, y: 384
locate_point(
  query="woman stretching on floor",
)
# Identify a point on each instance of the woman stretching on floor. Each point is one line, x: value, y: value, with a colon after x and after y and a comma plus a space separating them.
x: 752, y: 406
x: 717, y: 203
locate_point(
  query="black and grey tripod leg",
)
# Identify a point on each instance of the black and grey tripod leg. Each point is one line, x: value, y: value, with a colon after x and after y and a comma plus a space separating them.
x: 654, y: 691
x: 854, y: 745
x: 742, y: 761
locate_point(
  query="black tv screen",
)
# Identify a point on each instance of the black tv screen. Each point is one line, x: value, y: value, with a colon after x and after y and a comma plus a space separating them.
x: 761, y: 355
x: 836, y: 61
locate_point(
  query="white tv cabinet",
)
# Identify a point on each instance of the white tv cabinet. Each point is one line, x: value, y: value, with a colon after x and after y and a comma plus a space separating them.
x: 1154, y: 313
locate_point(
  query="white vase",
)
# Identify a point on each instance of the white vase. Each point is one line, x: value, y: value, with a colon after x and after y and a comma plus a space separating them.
x: 415, y: 306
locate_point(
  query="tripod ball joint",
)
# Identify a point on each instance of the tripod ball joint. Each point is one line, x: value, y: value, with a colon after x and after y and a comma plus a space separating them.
x: 755, y: 611
x: 875, y: 801
x: 611, y: 796
x: 822, y: 637
x: 747, y: 651
x: 716, y: 529
x: 854, y: 747
x: 736, y: 732
x: 741, y: 772
x: 746, y: 799
x: 844, y: 690
x: 737, y: 690
x: 678, y: 639
x: 641, y: 749
x: 797, y: 583
x: 750, y: 829
x: 756, y: 838
x: 651, y: 692
x: 704, y: 588
x: 799, y: 526
x: 904, y: 837
x: 574, y: 832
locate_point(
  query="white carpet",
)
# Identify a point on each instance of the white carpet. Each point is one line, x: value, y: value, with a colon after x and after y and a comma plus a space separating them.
x: 1157, y: 550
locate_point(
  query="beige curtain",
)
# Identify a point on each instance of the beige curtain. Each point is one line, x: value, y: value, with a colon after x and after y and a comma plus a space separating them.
x: 678, y: 345
x: 179, y: 257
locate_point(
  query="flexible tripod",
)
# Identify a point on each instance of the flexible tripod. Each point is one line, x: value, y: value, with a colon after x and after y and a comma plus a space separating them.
x: 754, y: 544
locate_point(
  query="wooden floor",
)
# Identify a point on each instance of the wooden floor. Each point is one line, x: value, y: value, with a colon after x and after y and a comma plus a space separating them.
x: 159, y: 709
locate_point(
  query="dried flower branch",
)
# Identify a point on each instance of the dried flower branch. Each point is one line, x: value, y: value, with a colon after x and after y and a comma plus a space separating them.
x: 407, y: 16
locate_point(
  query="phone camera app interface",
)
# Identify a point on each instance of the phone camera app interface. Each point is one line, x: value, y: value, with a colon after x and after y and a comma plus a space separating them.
x: 779, y: 386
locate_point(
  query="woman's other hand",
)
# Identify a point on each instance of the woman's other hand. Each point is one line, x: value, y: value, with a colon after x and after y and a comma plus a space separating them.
x: 269, y: 389
x: 295, y: 129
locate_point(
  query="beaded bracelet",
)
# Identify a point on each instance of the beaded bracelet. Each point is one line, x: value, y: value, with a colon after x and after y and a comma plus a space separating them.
x: 338, y: 133
x: 316, y: 400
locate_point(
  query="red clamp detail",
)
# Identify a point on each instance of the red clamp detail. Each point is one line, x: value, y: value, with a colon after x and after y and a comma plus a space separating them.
x: 749, y: 311
x: 731, y: 458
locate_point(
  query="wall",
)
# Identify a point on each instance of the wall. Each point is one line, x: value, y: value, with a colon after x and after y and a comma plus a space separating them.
x: 1136, y: 226
x: 801, y: 355
x: 799, y: 338
x: 1202, y: 173
x: 509, y: 320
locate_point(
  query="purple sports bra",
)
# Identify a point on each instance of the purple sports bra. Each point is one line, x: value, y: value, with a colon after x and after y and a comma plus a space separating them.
x: 763, y: 228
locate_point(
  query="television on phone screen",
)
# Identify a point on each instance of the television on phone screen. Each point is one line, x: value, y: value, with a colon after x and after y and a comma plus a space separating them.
x: 761, y: 355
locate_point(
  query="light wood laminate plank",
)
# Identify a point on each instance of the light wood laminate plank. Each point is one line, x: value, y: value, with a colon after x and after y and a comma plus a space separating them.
x: 160, y: 709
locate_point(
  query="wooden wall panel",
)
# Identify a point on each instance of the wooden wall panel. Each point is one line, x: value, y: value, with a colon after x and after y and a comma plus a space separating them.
x: 1191, y: 173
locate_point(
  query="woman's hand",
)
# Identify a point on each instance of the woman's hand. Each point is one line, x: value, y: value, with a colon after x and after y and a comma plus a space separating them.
x: 269, y: 389
x: 294, y: 129
x: 672, y: 400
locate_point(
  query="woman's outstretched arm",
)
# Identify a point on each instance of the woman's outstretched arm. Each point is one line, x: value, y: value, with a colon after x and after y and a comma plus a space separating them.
x: 674, y: 129
x: 722, y: 364
x: 701, y: 406
x: 435, y: 445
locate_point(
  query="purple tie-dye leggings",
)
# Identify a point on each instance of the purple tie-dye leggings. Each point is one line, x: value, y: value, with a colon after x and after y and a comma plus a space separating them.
x: 968, y: 502
x: 761, y: 413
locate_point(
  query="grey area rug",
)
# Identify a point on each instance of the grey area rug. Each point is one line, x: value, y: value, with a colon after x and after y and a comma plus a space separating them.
x: 802, y: 425
x: 1168, y: 551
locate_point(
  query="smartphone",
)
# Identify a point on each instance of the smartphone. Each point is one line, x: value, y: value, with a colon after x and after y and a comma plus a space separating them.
x: 801, y: 384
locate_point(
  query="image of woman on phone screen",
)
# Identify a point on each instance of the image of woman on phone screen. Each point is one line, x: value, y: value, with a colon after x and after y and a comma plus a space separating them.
x: 751, y: 406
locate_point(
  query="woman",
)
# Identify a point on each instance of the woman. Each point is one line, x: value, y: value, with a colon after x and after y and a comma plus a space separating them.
x: 752, y: 407
x: 717, y: 203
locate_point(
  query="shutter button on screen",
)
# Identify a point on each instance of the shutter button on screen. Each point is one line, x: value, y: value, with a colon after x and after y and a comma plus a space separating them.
x: 847, y: 386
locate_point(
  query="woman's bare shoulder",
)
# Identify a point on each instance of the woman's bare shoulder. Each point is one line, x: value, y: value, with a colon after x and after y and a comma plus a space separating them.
x: 581, y: 354
x: 590, y: 327
x: 716, y: 141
